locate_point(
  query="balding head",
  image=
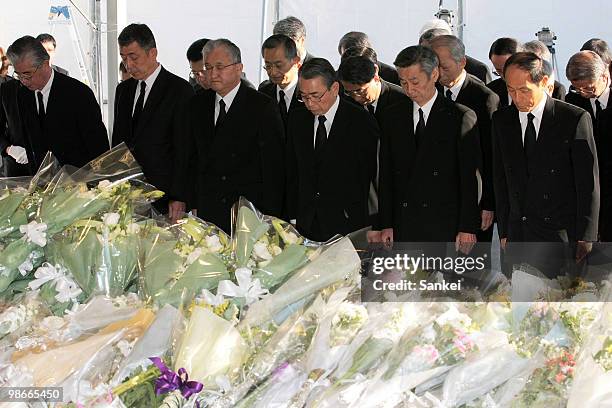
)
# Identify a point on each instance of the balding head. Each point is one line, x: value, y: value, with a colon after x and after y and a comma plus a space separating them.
x: 588, y: 73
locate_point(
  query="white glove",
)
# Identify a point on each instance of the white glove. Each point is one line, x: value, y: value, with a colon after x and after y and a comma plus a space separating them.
x: 18, y: 153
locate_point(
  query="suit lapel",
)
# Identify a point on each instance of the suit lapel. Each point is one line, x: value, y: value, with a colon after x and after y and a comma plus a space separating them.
x: 547, y: 124
x: 516, y: 138
x: 158, y: 90
x: 433, y: 129
x: 336, y: 131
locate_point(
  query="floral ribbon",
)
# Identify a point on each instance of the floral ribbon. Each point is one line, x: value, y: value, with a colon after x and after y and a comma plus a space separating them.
x: 169, y: 381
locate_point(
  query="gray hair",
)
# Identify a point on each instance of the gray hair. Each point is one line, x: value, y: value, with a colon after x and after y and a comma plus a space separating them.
x: 417, y: 54
x: 290, y: 26
x: 452, y: 43
x: 27, y: 47
x: 538, y: 48
x: 427, y: 36
x: 231, y: 48
x: 319, y: 68
x: 585, y: 65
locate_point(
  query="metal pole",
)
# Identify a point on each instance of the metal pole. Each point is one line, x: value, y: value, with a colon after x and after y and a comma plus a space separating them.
x: 112, y: 59
x: 264, y: 22
x: 98, y: 54
x: 461, y: 17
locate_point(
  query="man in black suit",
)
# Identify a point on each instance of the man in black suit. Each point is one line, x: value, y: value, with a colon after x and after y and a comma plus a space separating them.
x: 281, y: 63
x: 466, y: 89
x: 150, y: 117
x: 500, y: 51
x: 555, y: 88
x: 590, y: 79
x: 331, y: 157
x: 429, y: 156
x: 48, y: 41
x: 361, y: 40
x: 472, y: 65
x: 293, y: 28
x: 47, y: 111
x: 239, y: 136
x: 360, y: 81
x: 545, y: 168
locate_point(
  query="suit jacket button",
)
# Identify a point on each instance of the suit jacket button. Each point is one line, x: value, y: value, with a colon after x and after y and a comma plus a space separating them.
x: 524, y: 218
x: 223, y: 178
x: 317, y: 194
x: 552, y: 171
x: 425, y: 205
x: 435, y: 173
x: 546, y: 219
x: 546, y: 196
x: 405, y: 205
x: 223, y: 200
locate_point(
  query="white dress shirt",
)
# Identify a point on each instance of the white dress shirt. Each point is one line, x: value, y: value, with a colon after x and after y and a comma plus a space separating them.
x: 228, y: 99
x: 457, y: 87
x: 329, y: 120
x: 45, y: 92
x: 426, y: 110
x: 289, y: 91
x: 537, y: 112
x: 149, y: 84
x: 603, y: 99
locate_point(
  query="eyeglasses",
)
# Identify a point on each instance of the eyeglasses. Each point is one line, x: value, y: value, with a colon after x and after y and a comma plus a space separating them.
x: 218, y: 67
x: 357, y: 92
x: 309, y: 98
x: 196, y: 74
x: 585, y: 90
x: 25, y: 75
x: 278, y: 65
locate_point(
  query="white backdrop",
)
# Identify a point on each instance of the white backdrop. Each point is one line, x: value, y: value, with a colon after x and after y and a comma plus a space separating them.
x: 391, y: 25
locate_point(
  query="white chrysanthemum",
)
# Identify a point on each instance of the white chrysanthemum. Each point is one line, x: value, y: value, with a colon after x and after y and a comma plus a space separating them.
x: 12, y: 319
x: 213, y: 243
x: 260, y: 250
x: 111, y: 219
x: 104, y: 185
x: 133, y: 228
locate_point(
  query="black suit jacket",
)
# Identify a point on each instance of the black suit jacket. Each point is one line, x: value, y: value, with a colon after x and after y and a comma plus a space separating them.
x: 269, y: 88
x: 477, y: 68
x: 431, y: 193
x: 160, y: 140
x: 499, y: 87
x: 603, y: 140
x: 558, y: 195
x: 390, y: 94
x: 483, y: 101
x: 388, y: 73
x: 327, y: 192
x: 12, y: 129
x: 73, y: 129
x: 559, y: 91
x: 245, y: 156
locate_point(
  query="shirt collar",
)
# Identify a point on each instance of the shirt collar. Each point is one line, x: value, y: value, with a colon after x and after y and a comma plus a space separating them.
x: 47, y: 88
x: 604, y: 97
x: 289, y: 89
x: 331, y: 113
x: 537, y: 112
x: 150, y: 80
x: 455, y: 89
x: 426, y: 108
x: 229, y: 98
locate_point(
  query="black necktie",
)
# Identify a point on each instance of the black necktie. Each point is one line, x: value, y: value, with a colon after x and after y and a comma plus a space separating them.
x: 419, y: 133
x: 282, y: 104
x: 530, y: 137
x: 139, y: 105
x: 321, y: 136
x: 41, y: 107
x: 222, y: 113
x: 598, y: 108
x: 449, y: 94
x: 370, y: 109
